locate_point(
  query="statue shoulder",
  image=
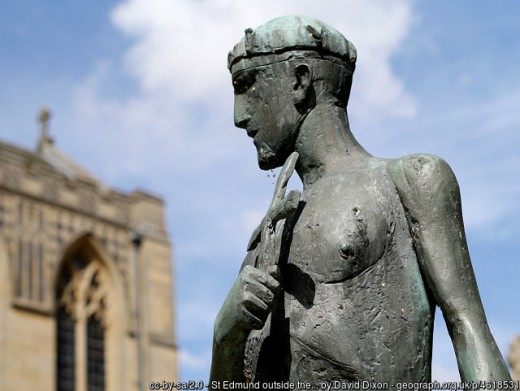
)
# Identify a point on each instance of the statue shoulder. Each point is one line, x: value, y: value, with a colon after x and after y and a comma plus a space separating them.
x: 419, y: 168
x: 421, y: 179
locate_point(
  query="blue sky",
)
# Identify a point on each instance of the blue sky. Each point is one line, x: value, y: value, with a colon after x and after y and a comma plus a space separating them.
x: 141, y: 97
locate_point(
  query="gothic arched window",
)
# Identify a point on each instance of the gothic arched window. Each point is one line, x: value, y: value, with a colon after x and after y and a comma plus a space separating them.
x: 81, y: 325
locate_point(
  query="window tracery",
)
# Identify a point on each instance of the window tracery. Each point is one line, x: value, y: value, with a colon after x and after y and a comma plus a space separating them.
x: 82, y: 294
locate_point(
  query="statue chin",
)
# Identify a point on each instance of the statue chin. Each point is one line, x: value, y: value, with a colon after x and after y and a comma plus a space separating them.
x: 267, y: 158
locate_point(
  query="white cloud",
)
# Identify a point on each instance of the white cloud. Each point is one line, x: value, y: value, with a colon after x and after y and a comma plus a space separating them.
x: 179, y: 121
x: 195, y: 361
x: 181, y: 46
x: 134, y: 129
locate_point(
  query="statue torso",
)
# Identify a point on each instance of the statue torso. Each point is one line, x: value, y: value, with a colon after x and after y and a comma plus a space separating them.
x: 354, y: 305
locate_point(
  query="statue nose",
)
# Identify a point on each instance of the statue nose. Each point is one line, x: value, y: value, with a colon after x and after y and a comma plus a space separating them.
x: 241, y: 116
x: 241, y: 123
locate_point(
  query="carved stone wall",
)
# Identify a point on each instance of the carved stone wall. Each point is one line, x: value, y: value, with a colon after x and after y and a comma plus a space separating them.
x: 51, y: 210
x: 37, y: 233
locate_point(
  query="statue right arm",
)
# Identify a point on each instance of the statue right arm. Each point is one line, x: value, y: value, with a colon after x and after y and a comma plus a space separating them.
x: 246, y: 307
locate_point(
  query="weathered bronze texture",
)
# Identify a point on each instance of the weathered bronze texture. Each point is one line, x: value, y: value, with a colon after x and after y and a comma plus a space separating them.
x: 344, y: 286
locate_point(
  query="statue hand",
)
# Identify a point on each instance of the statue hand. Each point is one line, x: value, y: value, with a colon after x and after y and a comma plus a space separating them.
x: 248, y: 304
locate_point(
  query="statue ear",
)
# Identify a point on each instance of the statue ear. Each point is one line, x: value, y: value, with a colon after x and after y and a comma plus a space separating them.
x: 302, y: 86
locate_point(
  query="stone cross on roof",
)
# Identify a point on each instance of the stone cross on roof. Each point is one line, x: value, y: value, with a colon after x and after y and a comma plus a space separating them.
x: 43, y: 120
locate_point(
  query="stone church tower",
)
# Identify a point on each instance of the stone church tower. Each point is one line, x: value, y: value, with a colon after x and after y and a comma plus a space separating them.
x: 86, y: 297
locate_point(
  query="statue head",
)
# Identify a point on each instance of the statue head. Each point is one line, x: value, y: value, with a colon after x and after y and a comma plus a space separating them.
x: 281, y: 71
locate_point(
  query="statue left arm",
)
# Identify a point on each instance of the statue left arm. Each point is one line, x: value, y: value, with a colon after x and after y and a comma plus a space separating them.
x: 431, y: 197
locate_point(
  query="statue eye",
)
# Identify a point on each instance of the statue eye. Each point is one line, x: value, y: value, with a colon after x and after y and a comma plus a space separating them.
x: 243, y: 81
x: 239, y: 87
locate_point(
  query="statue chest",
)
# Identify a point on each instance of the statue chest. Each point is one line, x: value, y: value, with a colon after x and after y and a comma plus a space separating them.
x: 353, y: 295
x: 337, y: 233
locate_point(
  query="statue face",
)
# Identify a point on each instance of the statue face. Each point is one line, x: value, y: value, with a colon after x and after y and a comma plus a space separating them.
x: 264, y: 106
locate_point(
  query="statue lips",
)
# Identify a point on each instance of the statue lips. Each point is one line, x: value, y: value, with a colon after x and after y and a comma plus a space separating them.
x: 251, y: 132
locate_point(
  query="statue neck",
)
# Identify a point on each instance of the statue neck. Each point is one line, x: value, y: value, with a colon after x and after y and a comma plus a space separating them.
x: 325, y: 144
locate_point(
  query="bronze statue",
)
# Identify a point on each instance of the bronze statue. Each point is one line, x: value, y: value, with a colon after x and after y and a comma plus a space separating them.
x: 340, y: 283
